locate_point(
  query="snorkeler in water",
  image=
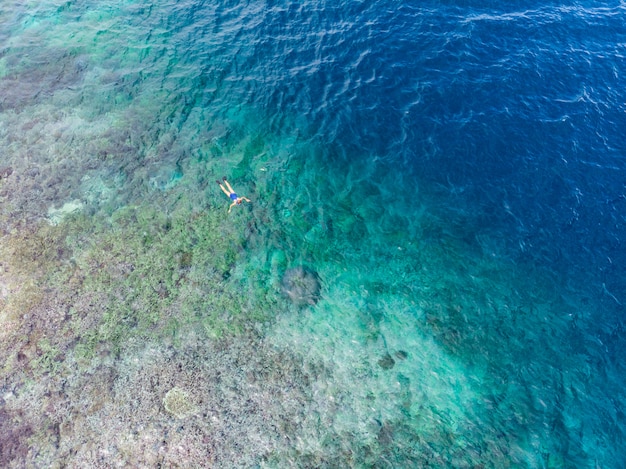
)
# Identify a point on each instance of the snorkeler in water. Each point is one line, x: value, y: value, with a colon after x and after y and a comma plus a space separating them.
x: 231, y: 194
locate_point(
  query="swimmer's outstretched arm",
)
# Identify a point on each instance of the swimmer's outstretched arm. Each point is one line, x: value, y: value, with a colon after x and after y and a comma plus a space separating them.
x: 246, y: 199
x: 231, y: 206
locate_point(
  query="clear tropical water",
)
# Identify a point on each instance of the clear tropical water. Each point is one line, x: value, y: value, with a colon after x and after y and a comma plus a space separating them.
x: 453, y: 173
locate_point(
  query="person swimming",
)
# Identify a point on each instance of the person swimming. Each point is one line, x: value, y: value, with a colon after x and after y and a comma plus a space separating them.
x: 231, y: 194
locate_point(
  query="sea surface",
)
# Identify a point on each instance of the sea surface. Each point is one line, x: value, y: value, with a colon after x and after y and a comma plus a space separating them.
x: 446, y: 180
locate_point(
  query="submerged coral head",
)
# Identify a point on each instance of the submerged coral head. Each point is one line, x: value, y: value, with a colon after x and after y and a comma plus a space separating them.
x: 301, y: 285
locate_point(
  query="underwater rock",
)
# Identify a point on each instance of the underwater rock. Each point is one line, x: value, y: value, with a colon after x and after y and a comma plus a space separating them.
x: 401, y: 354
x: 5, y: 172
x: 386, y: 362
x: 14, y: 437
x: 301, y: 285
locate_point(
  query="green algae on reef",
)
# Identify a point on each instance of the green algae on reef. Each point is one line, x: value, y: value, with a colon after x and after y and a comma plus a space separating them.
x: 140, y: 273
x: 149, y: 263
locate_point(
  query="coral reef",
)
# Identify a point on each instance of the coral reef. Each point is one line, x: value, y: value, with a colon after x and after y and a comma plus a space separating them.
x: 13, y: 437
x: 178, y: 403
x: 242, y: 402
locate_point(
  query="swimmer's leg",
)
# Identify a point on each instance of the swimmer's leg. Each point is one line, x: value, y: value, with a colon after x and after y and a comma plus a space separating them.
x: 228, y: 185
x: 224, y: 189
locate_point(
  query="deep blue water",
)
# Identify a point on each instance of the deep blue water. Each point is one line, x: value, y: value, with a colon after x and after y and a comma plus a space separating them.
x: 504, y: 123
x: 517, y: 110
x: 522, y: 110
x: 519, y: 107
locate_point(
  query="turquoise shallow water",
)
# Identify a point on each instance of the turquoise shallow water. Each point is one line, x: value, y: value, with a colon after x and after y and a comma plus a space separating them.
x: 453, y: 175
